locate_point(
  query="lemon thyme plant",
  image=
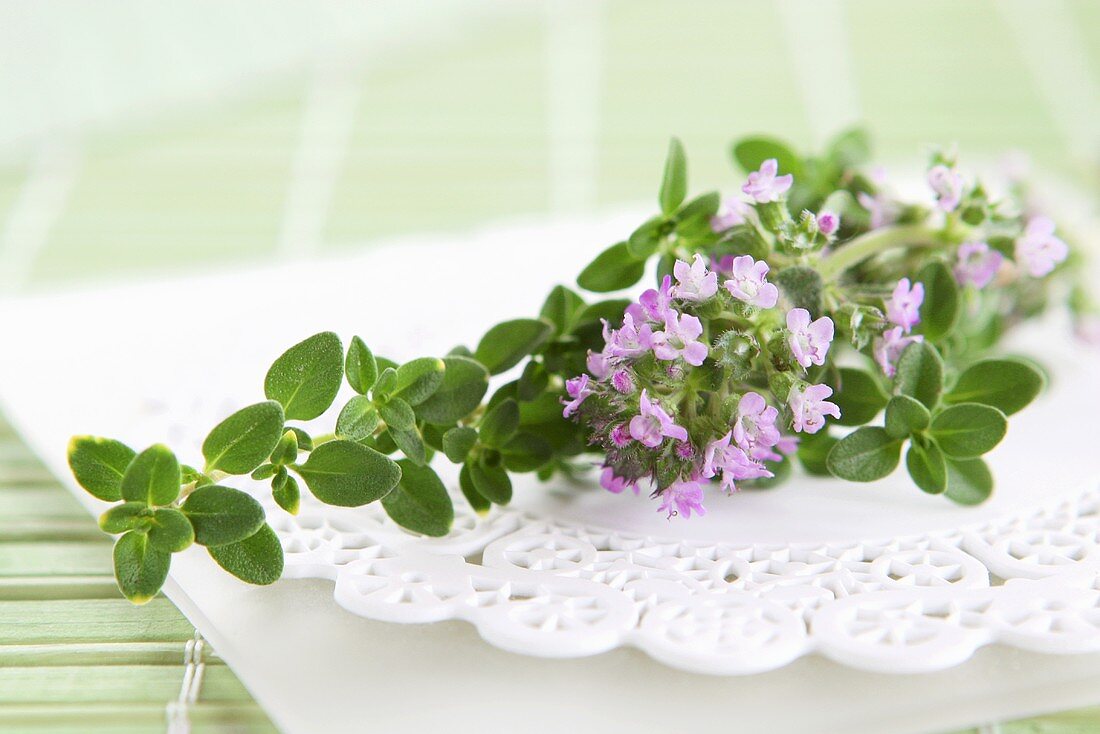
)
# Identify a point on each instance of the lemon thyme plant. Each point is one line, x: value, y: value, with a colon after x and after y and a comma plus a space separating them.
x: 814, y: 301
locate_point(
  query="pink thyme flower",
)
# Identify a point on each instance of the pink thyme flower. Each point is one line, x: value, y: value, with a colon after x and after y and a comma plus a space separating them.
x: 629, y: 340
x: 747, y: 282
x: 977, y: 264
x: 685, y: 450
x: 680, y: 339
x: 947, y: 185
x: 787, y: 445
x: 882, y: 208
x: 599, y: 364
x: 888, y: 347
x: 620, y: 435
x: 755, y: 429
x: 1038, y: 250
x: 809, y: 342
x: 828, y: 222
x: 614, y: 483
x: 656, y: 303
x: 578, y: 389
x: 903, y: 308
x: 731, y: 213
x: 623, y: 382
x: 653, y: 424
x: 682, y: 498
x: 694, y: 282
x: 810, y: 407
x: 764, y: 185
x: 734, y: 464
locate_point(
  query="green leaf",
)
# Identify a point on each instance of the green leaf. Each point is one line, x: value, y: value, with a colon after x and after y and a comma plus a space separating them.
x: 265, y: 471
x: 504, y: 345
x: 98, y: 465
x: 170, y: 531
x: 698, y: 211
x: 674, y: 181
x: 306, y: 378
x: 968, y: 430
x: 153, y: 477
x: 140, y: 569
x: 397, y: 414
x: 385, y: 384
x: 348, y: 474
x: 867, y: 454
x: 850, y: 148
x: 464, y: 385
x: 305, y: 443
x: 256, y: 560
x: 420, y: 502
x: 457, y: 443
x: 927, y: 466
x: 803, y: 287
x: 906, y: 416
x: 859, y: 396
x: 751, y: 152
x: 222, y: 515
x: 920, y: 373
x: 358, y: 419
x: 533, y: 381
x: 411, y: 444
x: 646, y: 239
x: 287, y: 495
x: 526, y: 452
x: 286, y: 451
x: 940, y: 310
x: 491, y: 481
x: 360, y: 367
x: 499, y: 424
x: 562, y: 308
x: 813, y: 452
x: 613, y: 270
x: 479, y: 504
x: 244, y: 440
x: 124, y: 517
x: 418, y: 379
x: 1005, y: 384
x: 969, y: 481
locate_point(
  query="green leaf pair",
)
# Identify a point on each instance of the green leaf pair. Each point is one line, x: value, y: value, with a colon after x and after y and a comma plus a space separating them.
x: 947, y: 432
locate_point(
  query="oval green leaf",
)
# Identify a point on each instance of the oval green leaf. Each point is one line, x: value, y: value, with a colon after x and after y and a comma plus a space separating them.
x: 306, y: 377
x: 358, y: 419
x: 420, y: 502
x: 125, y: 517
x: 491, y: 481
x: 98, y: 465
x: 170, y: 531
x: 920, y: 373
x: 478, y: 503
x: 244, y: 440
x: 867, y: 454
x: 1005, y: 384
x: 969, y: 481
x: 140, y: 569
x: 222, y: 515
x: 257, y: 559
x: 859, y: 396
x: 968, y: 430
x: 927, y: 467
x: 504, y: 345
x: 613, y: 270
x: 360, y: 367
x: 153, y: 477
x: 499, y: 424
x: 906, y: 416
x: 940, y: 310
x: 348, y: 474
x: 465, y: 382
x: 418, y: 379
x: 457, y: 443
x: 674, y: 180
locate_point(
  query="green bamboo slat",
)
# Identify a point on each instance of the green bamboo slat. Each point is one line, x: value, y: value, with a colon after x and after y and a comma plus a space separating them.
x: 76, y: 529
x: 91, y: 620
x: 49, y: 558
x: 50, y: 501
x: 113, y: 684
x: 103, y: 653
x: 130, y: 718
x: 45, y: 588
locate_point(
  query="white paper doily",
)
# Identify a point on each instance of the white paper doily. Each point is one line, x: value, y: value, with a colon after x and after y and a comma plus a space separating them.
x: 764, y: 578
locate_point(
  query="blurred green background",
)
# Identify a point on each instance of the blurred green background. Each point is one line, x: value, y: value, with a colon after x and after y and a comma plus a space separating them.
x: 141, y: 138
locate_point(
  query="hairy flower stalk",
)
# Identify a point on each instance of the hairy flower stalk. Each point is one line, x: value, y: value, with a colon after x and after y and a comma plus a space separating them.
x: 813, y: 300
